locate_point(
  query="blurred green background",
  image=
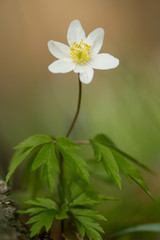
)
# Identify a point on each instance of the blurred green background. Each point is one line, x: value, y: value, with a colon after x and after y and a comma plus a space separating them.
x: 124, y: 103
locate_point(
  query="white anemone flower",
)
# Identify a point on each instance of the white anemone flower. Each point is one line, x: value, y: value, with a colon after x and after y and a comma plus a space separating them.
x: 82, y: 55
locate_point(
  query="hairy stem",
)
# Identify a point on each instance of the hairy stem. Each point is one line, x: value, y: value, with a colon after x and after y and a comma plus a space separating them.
x: 78, y: 108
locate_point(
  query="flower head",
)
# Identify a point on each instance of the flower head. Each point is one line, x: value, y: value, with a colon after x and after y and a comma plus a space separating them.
x: 82, y: 54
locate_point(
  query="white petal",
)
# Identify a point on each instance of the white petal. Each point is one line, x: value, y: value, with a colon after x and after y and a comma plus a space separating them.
x: 103, y: 61
x: 61, y: 66
x: 59, y: 50
x: 86, y: 77
x: 81, y: 68
x: 75, y: 32
x: 95, y: 39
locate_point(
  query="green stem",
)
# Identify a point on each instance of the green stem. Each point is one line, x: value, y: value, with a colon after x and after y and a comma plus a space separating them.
x: 61, y: 157
x: 78, y: 108
x: 60, y: 184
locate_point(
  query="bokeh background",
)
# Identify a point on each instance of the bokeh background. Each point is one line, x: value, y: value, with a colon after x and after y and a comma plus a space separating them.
x: 124, y: 103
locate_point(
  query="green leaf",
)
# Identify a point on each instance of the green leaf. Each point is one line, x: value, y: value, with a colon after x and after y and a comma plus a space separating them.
x: 31, y: 211
x: 44, y: 212
x: 103, y: 139
x: 93, y: 225
x: 150, y: 227
x: 67, y: 148
x: 43, y: 202
x: 93, y: 234
x: 87, y: 212
x: 83, y: 199
x: 34, y: 141
x: 85, y: 222
x: 43, y: 219
x: 81, y: 194
x: 133, y: 160
x: 27, y: 175
x: 36, y: 228
x: 96, y: 170
x: 89, y: 223
x: 68, y: 145
x: 109, y: 163
x: 130, y: 171
x: 80, y: 228
x: 126, y: 167
x: 42, y: 157
x: 48, y: 157
x: 24, y: 149
x: 97, y: 152
x: 52, y: 169
x: 75, y: 161
x: 44, y: 174
x: 18, y: 157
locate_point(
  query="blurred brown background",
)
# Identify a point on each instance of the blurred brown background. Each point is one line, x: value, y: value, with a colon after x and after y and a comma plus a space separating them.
x: 123, y: 103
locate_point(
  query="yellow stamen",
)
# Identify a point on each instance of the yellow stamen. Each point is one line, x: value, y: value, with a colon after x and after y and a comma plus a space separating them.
x: 80, y: 53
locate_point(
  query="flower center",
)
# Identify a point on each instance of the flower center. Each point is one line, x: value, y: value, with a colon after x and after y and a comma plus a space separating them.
x: 80, y: 52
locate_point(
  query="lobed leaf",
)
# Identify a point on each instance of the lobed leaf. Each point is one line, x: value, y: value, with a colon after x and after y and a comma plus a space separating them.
x: 108, y: 162
x: 44, y: 211
x: 34, y: 141
x: 106, y: 141
x: 89, y: 223
x: 83, y: 199
x: 97, y: 152
x: 47, y: 157
x: 92, y: 234
x: 80, y: 228
x: 126, y: 167
x: 43, y: 202
x: 43, y: 155
x: 18, y: 157
x: 88, y: 213
x: 75, y: 161
x: 24, y: 149
x: 31, y: 211
x: 53, y: 169
x: 68, y: 145
x: 43, y: 219
x: 130, y: 171
x: 85, y: 222
x: 27, y: 175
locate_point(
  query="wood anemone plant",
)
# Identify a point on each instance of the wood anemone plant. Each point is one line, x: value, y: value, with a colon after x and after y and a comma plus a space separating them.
x: 64, y: 207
